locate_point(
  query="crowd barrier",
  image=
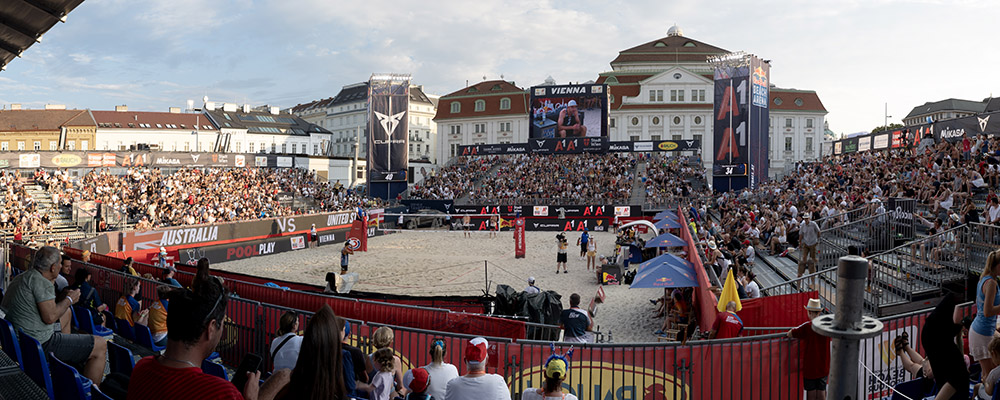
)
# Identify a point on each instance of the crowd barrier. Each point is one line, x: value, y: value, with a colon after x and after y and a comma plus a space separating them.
x: 386, y: 313
x: 760, y: 367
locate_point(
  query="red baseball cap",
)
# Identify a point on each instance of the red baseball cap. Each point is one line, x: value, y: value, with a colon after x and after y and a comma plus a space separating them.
x: 475, y: 351
x: 417, y: 380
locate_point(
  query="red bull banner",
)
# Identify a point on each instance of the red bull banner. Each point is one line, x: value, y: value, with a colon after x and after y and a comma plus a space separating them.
x: 357, y: 239
x: 519, y: 238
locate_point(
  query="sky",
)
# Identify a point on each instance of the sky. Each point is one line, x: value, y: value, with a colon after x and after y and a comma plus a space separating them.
x: 858, y: 55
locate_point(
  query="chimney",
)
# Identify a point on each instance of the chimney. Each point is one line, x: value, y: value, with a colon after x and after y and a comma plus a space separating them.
x: 55, y: 106
x: 246, y: 108
x: 174, y: 110
x: 15, y: 106
x: 121, y: 108
x: 210, y: 105
x: 229, y: 107
x: 275, y: 110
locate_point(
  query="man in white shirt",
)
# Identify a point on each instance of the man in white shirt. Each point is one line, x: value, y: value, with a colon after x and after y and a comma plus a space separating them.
x: 531, y: 286
x: 477, y: 384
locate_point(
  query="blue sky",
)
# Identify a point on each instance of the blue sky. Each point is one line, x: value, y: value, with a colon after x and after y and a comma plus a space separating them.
x: 152, y: 55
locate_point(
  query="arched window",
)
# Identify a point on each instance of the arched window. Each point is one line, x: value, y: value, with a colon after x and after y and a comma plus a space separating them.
x: 480, y: 105
x: 505, y: 103
x: 456, y: 107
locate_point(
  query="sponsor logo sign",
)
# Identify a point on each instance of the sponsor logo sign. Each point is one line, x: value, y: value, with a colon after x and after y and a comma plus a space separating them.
x: 667, y: 146
x: 623, y: 211
x: 260, y: 161
x: 642, y: 146
x: 189, y: 235
x: 241, y: 161
x: 167, y: 161
x: 298, y: 242
x: 67, y: 160
x: 29, y: 161
x: 327, y: 238
x: 864, y: 143
x: 540, y: 211
x: 4, y: 163
x: 284, y: 162
x: 354, y: 244
x: 94, y: 159
x: 108, y: 160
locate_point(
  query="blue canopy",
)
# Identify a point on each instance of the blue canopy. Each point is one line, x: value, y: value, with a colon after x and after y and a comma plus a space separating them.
x: 663, y: 259
x: 666, y: 240
x: 666, y: 223
x: 665, y: 214
x: 664, y: 275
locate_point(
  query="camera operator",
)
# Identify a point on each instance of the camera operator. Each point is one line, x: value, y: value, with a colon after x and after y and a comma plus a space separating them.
x: 561, y: 255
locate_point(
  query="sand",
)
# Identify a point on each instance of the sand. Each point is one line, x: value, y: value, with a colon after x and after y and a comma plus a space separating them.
x: 444, y: 263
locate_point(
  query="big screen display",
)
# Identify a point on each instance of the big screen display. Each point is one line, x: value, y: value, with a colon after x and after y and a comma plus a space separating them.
x: 568, y: 111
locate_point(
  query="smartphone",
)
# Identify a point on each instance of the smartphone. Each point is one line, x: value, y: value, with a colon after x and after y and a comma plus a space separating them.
x: 251, y: 363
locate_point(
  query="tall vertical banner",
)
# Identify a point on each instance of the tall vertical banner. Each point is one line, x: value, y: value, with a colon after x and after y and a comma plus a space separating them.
x: 519, y: 238
x: 388, y: 117
x: 760, y: 77
x: 731, y: 114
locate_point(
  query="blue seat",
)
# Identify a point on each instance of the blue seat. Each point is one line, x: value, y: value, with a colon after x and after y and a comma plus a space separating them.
x: 8, y: 340
x: 35, y: 365
x: 73, y: 316
x: 145, y: 338
x: 914, y: 389
x: 121, y: 359
x: 86, y: 320
x: 214, y: 369
x: 68, y: 383
x: 97, y: 394
x: 124, y: 329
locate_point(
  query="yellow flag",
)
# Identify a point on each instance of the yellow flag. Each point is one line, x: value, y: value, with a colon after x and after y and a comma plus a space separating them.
x: 729, y: 293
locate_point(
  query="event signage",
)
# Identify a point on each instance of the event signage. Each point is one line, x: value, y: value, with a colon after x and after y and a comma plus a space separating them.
x: 864, y: 143
x: 388, y: 127
x: 579, y: 145
x: 851, y: 145
x: 759, y: 121
x: 880, y: 141
x: 568, y: 111
x: 519, y: 238
x: 241, y: 250
x: 88, y: 159
x: 552, y: 211
x: 741, y: 122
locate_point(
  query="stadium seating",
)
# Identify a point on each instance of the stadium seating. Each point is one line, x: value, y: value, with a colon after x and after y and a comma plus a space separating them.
x: 8, y: 340
x: 68, y: 383
x: 121, y: 359
x: 124, y: 329
x: 144, y: 338
x: 214, y: 369
x: 86, y: 323
x: 35, y: 364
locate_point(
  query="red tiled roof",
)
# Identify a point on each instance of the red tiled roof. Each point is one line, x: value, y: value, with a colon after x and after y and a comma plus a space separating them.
x: 489, y: 91
x: 43, y: 120
x: 123, y: 119
x: 670, y: 48
x: 810, y: 100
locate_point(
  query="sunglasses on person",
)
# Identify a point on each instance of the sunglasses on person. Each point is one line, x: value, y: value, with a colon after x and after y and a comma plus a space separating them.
x: 222, y: 293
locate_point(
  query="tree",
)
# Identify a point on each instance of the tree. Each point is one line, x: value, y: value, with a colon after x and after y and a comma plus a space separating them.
x: 886, y: 128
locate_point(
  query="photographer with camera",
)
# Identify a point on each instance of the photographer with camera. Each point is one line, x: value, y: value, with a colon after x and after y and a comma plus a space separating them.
x: 561, y: 255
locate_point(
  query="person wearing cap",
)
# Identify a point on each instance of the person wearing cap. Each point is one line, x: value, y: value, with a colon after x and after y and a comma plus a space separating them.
x: 440, y: 372
x: 809, y: 238
x: 418, y: 381
x: 815, y: 352
x: 531, y: 289
x: 161, y: 259
x: 569, y: 123
x: 556, y: 370
x: 477, y: 384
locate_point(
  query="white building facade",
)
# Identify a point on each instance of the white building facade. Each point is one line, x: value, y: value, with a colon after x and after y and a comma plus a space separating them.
x: 164, y: 131
x: 264, y: 130
x: 346, y: 116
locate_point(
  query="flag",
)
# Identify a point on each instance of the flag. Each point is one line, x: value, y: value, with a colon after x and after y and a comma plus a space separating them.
x: 729, y: 293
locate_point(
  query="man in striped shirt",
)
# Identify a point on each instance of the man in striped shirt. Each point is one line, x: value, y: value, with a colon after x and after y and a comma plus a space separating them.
x: 195, y: 326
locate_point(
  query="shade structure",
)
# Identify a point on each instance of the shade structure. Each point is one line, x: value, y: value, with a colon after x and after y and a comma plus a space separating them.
x: 665, y: 214
x: 663, y: 259
x: 664, y: 275
x: 666, y: 240
x: 667, y: 223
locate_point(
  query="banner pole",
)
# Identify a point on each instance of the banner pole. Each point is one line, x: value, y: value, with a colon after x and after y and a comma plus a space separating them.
x: 486, y: 275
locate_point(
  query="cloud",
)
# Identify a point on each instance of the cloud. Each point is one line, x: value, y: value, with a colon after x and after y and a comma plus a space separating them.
x: 81, y: 58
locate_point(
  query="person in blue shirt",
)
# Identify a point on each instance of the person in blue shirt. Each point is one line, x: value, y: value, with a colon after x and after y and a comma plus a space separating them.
x: 168, y: 277
x: 89, y: 297
x: 582, y: 241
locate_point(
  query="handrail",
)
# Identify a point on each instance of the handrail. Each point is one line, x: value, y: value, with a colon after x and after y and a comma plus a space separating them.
x: 800, y: 278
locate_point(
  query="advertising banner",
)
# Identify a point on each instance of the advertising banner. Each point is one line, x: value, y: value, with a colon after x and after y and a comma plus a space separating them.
x: 731, y: 154
x: 84, y: 159
x: 759, y: 121
x: 971, y: 126
x: 850, y: 145
x: 556, y: 211
x: 388, y: 127
x: 880, y: 141
x: 357, y: 239
x: 838, y: 148
x: 582, y: 145
x: 568, y: 224
x: 864, y: 143
x: 519, y: 238
x: 568, y: 111
x: 239, y: 251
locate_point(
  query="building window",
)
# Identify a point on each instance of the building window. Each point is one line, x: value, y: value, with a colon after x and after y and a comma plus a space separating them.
x: 677, y: 120
x: 697, y: 120
x: 53, y: 145
x: 315, y: 149
x: 656, y: 120
x: 284, y: 148
x: 701, y: 95
x: 84, y: 145
x: 187, y: 146
x: 411, y: 147
x: 480, y: 128
x: 673, y: 95
x: 274, y: 147
x: 809, y: 123
x: 37, y: 145
x: 295, y: 148
x: 654, y: 137
x: 250, y: 147
x: 635, y: 121
x: 788, y: 143
x: 655, y: 95
x: 788, y: 122
x: 680, y: 95
x: 611, y: 123
x: 698, y: 138
x: 777, y: 101
x: 456, y: 129
x: 20, y: 146
x: 480, y: 105
x: 505, y: 127
x: 634, y: 138
x: 809, y: 144
x: 454, y: 149
x: 71, y: 145
x: 676, y: 137
x: 239, y: 147
x: 798, y: 102
x: 456, y: 107
x: 505, y: 103
x: 4, y: 146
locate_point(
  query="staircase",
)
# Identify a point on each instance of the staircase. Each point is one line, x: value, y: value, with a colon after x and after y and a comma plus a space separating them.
x: 464, y: 198
x: 61, y: 217
x: 638, y: 187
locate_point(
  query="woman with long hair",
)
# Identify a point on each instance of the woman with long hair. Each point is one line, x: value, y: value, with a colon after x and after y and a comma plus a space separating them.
x: 987, y: 308
x: 440, y: 372
x: 286, y: 344
x: 318, y: 373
